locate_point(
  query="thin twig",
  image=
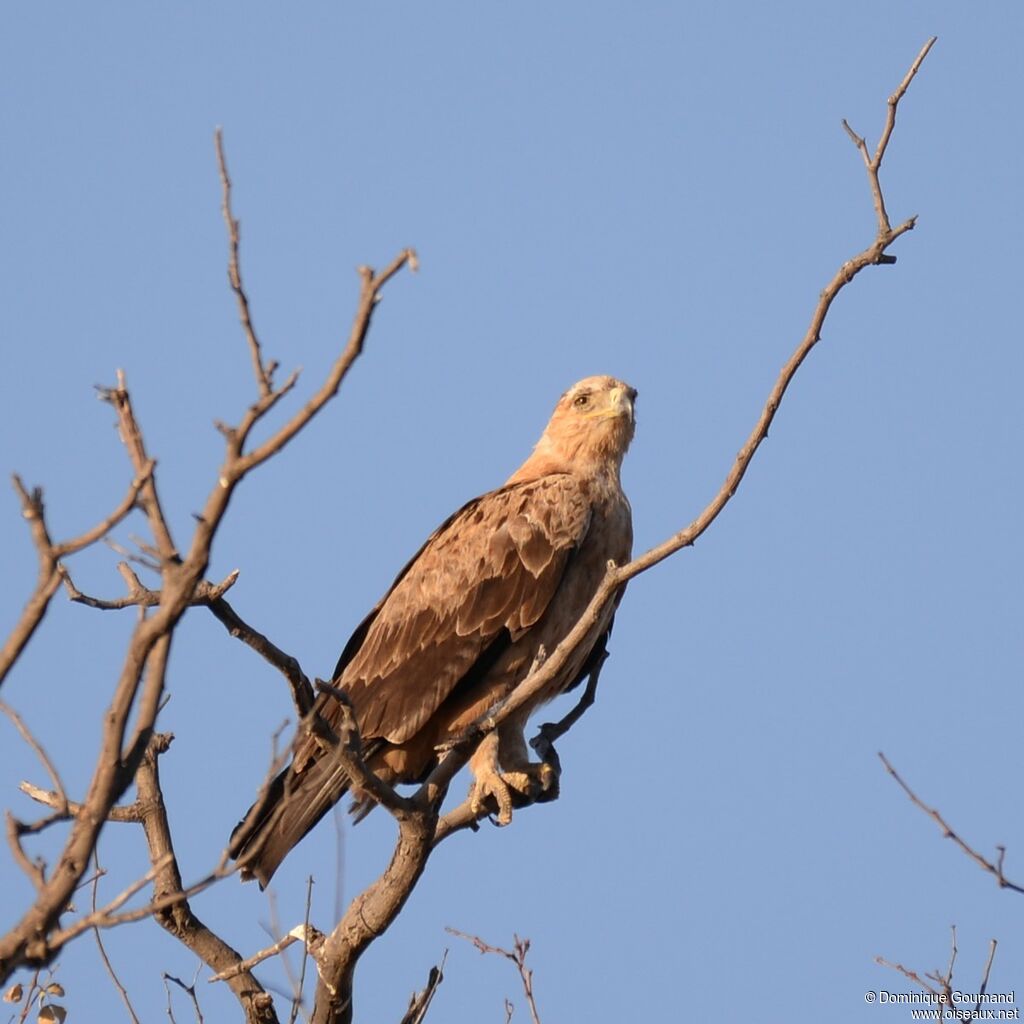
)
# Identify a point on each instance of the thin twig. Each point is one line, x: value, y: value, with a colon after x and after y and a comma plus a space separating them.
x: 101, y: 529
x: 300, y: 986
x: 71, y: 809
x: 122, y: 991
x: 264, y: 374
x: 289, y: 667
x: 49, y: 555
x: 204, y: 593
x: 40, y: 752
x: 944, y: 995
x: 304, y: 933
x: 984, y: 978
x: 993, y: 869
x: 909, y: 975
x: 371, y: 285
x: 34, y: 869
x: 517, y: 955
x: 345, y: 747
x: 190, y: 989
x: 131, y: 438
x: 874, y: 163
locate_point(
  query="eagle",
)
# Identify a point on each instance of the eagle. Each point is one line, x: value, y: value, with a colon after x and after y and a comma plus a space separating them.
x: 499, y: 583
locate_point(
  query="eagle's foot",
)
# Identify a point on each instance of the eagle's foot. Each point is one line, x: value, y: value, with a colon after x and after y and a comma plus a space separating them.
x: 490, y: 785
x: 529, y: 783
x: 504, y: 776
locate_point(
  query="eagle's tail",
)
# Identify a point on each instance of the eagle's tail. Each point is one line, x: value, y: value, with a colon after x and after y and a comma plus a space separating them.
x: 286, y: 811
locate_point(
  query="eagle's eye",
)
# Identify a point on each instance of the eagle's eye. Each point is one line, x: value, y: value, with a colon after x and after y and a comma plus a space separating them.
x: 581, y: 400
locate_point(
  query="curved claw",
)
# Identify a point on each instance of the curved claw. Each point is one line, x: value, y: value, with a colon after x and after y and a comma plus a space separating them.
x: 533, y: 783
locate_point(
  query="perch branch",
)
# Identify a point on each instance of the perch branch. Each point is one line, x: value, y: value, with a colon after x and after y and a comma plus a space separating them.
x: 468, y: 813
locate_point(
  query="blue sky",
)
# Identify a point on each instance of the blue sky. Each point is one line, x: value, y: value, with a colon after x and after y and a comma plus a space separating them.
x: 656, y: 191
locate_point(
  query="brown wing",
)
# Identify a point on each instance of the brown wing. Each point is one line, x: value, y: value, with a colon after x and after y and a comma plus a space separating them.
x: 493, y: 566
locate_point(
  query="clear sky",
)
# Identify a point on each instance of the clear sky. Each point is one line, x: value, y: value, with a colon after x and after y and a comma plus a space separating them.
x: 657, y: 191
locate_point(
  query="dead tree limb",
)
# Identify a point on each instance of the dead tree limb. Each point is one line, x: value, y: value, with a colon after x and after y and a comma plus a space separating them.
x: 939, y: 984
x: 50, y: 554
x: 177, y: 917
x: 517, y: 955
x: 37, y: 937
x: 995, y: 869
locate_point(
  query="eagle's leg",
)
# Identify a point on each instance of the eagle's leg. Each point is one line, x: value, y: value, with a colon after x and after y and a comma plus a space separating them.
x: 501, y: 766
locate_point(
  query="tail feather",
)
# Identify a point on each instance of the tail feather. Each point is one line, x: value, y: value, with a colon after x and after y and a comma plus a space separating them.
x: 289, y: 808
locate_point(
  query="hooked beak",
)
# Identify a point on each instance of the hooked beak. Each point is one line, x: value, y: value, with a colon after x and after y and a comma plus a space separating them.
x: 622, y: 400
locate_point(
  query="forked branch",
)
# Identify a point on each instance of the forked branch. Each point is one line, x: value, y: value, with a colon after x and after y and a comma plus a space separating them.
x: 50, y: 554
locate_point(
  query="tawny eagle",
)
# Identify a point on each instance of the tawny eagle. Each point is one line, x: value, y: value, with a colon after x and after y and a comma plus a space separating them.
x: 508, y: 574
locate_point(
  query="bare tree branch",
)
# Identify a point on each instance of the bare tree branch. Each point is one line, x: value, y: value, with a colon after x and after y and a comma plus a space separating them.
x: 139, y: 596
x: 189, y: 990
x: 304, y: 933
x: 39, y: 751
x: 468, y: 813
x: 131, y: 438
x: 874, y: 163
x: 288, y: 666
x: 420, y: 1001
x: 210, y: 595
x: 264, y: 374
x: 70, y: 809
x: 944, y: 995
x: 49, y: 556
x: 237, y: 464
x: 346, y: 749
x: 177, y: 917
x: 995, y: 869
x: 369, y: 915
x: 517, y: 955
x: 36, y: 938
x: 122, y: 991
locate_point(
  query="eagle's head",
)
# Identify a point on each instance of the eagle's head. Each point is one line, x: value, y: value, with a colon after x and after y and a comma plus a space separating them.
x: 592, y: 424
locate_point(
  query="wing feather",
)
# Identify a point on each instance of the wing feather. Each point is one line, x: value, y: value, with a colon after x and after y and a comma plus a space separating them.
x: 493, y: 566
